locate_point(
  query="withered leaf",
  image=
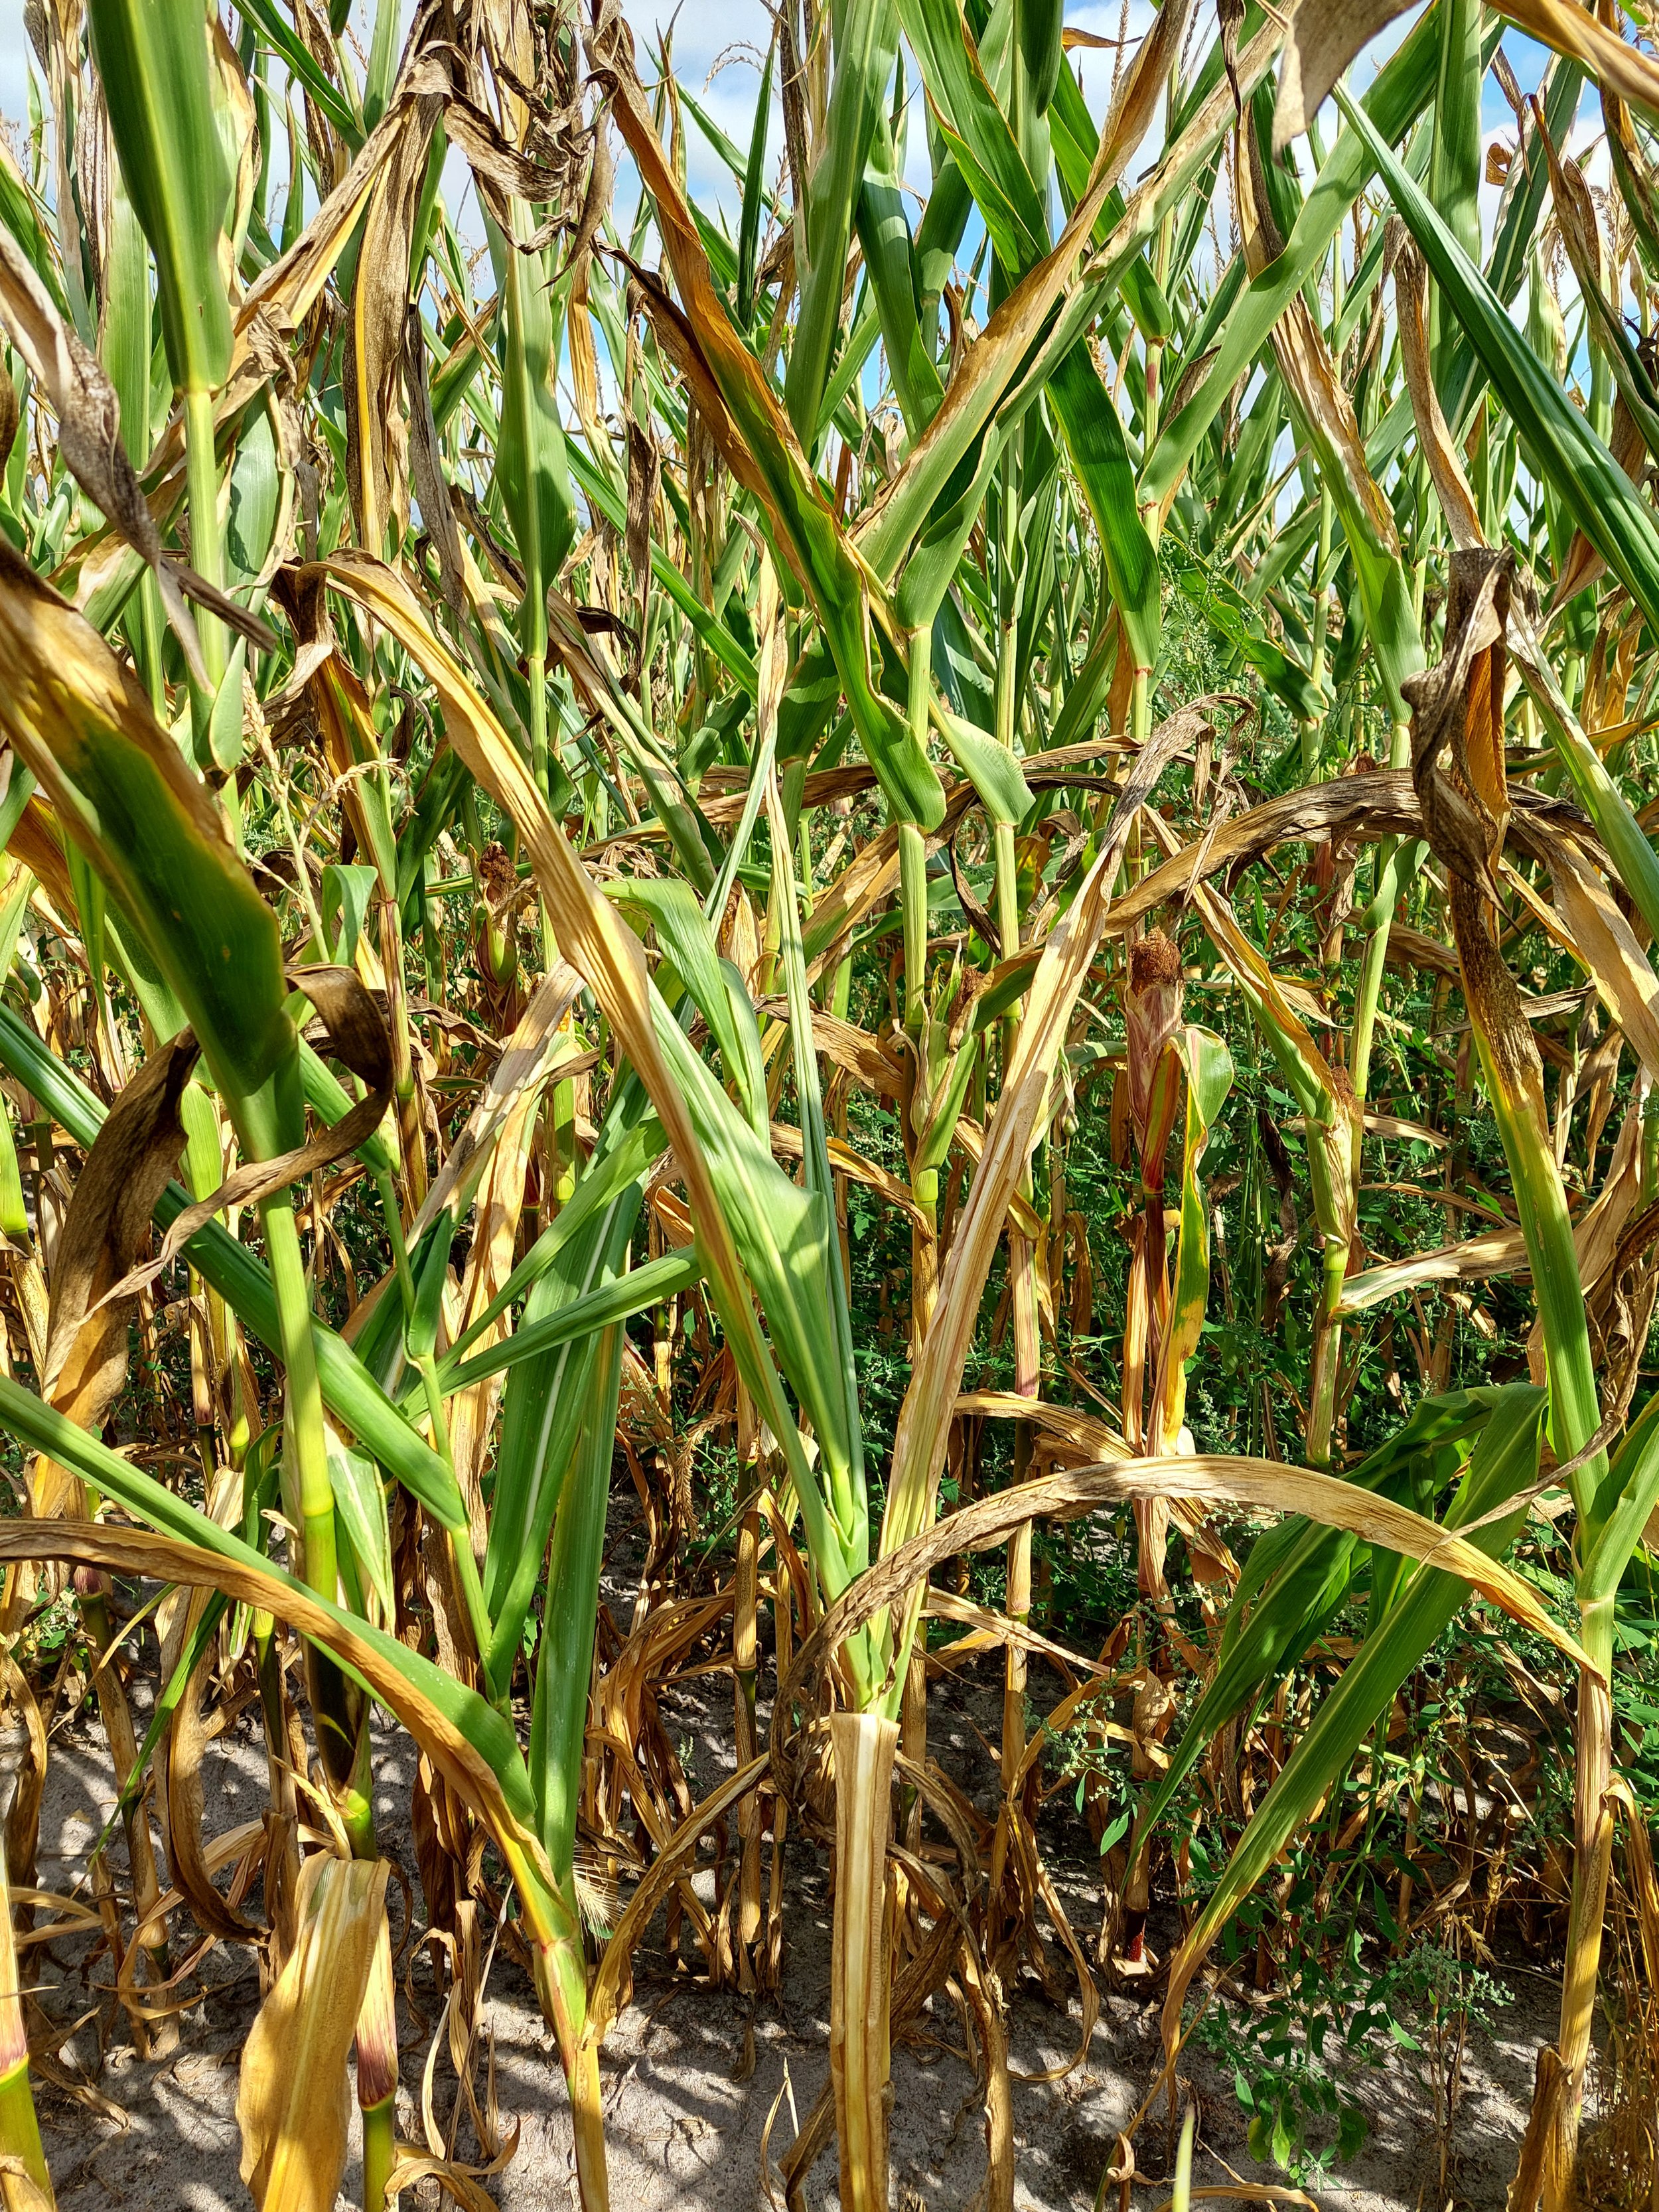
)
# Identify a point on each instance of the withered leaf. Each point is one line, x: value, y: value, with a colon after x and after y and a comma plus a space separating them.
x: 89, y: 439
x: 356, y: 1026
x: 1323, y: 40
x: 1463, y: 825
x: 125, y: 1173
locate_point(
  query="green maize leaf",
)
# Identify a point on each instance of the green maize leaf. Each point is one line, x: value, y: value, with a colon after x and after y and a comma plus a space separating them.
x: 20, y: 789
x: 803, y: 517
x: 1209, y: 1069
x: 1050, y: 311
x: 1099, y: 451
x: 1517, y: 230
x: 13, y: 1213
x: 630, y: 1146
x: 21, y: 212
x: 1277, y: 177
x: 350, y: 1393
x: 284, y: 40
x: 547, y: 1326
x: 728, y: 150
x: 125, y: 334
x: 973, y: 126
x: 782, y: 1234
x: 891, y: 258
x: 1455, y: 164
x: 1595, y: 490
x: 255, y: 494
x: 347, y: 893
x: 531, y: 473
x: 360, y: 1502
x: 443, y: 790
x: 938, y: 234
x: 429, y: 1265
x: 931, y: 568
x: 1504, y: 1464
x: 754, y: 191
x: 740, y: 1195
x: 1632, y: 1484
x: 1040, y: 23
x: 331, y: 1102
x: 564, y: 1652
x: 382, y: 63
x: 1075, y: 143
x: 992, y: 769
x: 1230, y: 615
x: 1403, y: 88
x: 409, y: 1686
x: 715, y: 989
x: 844, y: 1472
x: 849, y: 367
x: 1090, y: 686
x: 154, y: 61
x: 963, y: 681
x: 865, y: 49
x: 121, y: 789
x: 549, y: 1393
x: 1299, y: 1575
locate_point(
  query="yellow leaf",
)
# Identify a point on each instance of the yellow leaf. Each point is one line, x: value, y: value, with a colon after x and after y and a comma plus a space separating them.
x: 294, y: 2103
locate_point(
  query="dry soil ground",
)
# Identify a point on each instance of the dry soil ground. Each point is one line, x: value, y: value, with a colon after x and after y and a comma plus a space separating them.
x: 691, y: 2076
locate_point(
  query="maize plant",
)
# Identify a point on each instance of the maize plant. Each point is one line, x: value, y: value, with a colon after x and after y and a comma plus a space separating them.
x: 919, y: 843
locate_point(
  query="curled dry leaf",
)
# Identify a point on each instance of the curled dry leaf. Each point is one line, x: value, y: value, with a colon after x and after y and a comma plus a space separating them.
x: 1323, y: 39
x: 1266, y: 1485
x: 89, y: 440
x: 1411, y: 289
x: 293, y: 2102
x: 109, y: 1217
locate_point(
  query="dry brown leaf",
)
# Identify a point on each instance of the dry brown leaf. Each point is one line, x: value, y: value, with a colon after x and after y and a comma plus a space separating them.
x: 1445, y: 464
x: 89, y: 442
x: 1269, y: 1485
x: 294, y: 2103
x: 1323, y: 40
x: 109, y: 1217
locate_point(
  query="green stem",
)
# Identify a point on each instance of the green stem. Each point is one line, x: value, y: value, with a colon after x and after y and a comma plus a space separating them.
x: 1313, y: 732
x: 207, y: 558
x: 561, y: 1976
x: 306, y: 1443
x: 1140, y: 708
x: 1575, y: 1405
x: 536, y: 664
x: 148, y: 626
x: 336, y: 1705
x: 1327, y: 1355
x: 380, y: 2151
x: 913, y: 846
x: 20, y: 2130
x: 1377, y: 950
x: 466, y: 1567
x: 913, y: 901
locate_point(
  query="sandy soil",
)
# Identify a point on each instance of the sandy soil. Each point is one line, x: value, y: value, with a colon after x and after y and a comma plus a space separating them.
x: 692, y: 2076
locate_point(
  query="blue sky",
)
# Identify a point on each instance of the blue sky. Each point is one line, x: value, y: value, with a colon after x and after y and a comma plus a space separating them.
x: 718, y: 46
